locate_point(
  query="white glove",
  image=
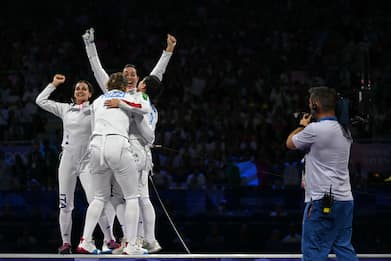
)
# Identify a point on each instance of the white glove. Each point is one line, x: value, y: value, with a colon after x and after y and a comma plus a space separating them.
x: 88, y: 36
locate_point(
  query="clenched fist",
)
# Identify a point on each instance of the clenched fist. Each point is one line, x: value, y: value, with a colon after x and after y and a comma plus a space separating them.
x: 58, y: 79
x: 171, y: 42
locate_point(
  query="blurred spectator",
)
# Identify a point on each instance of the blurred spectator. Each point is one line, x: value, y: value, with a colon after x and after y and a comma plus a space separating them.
x: 36, y: 175
x: 214, y: 240
x: 26, y: 240
x: 196, y: 179
x: 51, y: 156
x: 273, y: 243
x: 293, y: 236
x: 9, y: 181
x: 19, y: 171
x: 278, y: 210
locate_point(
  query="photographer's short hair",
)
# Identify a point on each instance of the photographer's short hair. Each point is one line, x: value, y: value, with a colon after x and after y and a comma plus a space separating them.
x: 117, y: 81
x: 326, y: 97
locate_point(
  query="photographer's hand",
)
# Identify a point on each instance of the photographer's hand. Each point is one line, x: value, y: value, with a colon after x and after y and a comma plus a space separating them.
x: 303, y: 123
x: 305, y: 120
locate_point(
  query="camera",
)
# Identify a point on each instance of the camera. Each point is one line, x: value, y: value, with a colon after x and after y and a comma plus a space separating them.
x: 299, y: 115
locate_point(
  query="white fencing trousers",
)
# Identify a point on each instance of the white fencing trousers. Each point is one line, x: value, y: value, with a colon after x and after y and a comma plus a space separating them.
x: 119, y: 204
x: 146, y: 228
x: 106, y: 219
x: 67, y: 177
x: 117, y: 199
x: 111, y: 155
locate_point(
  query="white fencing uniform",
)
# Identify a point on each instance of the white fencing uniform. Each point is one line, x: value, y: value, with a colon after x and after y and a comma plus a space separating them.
x: 111, y: 153
x: 102, y: 77
x: 76, y: 120
x: 146, y: 129
x: 76, y: 133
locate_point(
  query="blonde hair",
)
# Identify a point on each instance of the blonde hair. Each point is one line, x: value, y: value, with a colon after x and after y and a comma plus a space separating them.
x: 117, y: 81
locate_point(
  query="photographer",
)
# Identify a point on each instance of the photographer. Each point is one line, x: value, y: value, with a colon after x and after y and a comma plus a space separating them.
x: 328, y: 214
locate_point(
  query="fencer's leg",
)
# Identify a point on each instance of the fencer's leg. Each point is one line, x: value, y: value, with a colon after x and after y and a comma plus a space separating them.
x: 105, y: 225
x: 140, y: 228
x: 67, y: 182
x: 120, y: 211
x: 85, y: 178
x: 147, y: 212
x: 93, y: 213
x: 125, y: 172
x: 148, y: 217
x: 109, y: 212
x: 101, y: 186
x: 132, y: 214
x: 118, y: 203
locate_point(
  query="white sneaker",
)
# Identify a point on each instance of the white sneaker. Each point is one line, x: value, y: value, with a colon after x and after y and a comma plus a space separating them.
x: 87, y: 247
x: 152, y: 247
x: 134, y: 250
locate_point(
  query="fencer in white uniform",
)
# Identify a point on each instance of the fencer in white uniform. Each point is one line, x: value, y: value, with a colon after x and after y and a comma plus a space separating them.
x: 76, y: 120
x: 144, y: 139
x: 111, y: 154
x: 130, y: 73
x: 141, y: 138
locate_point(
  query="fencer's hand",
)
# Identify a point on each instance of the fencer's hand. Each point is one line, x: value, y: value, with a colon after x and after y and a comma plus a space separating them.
x: 113, y: 103
x: 171, y: 42
x: 85, y: 37
x: 88, y: 36
x: 306, y: 119
x: 58, y: 79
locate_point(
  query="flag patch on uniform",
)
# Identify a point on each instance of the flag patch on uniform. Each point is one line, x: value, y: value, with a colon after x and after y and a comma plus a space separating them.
x: 145, y: 96
x: 132, y: 104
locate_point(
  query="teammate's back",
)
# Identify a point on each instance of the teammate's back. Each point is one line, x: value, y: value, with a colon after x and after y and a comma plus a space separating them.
x: 110, y: 120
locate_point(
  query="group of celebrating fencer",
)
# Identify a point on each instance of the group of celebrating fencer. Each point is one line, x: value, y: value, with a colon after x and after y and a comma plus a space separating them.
x: 107, y: 144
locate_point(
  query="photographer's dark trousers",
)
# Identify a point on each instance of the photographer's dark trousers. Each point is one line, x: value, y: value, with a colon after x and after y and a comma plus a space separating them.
x: 325, y: 233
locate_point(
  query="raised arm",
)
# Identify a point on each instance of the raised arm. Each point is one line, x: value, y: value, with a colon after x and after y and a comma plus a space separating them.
x: 43, y: 101
x: 100, y: 74
x: 161, y: 65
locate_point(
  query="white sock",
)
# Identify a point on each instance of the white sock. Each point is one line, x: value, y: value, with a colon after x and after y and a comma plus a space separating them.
x: 110, y: 214
x: 148, y: 216
x: 94, y: 212
x: 120, y: 210
x: 140, y: 227
x: 65, y: 220
x: 105, y: 226
x: 131, y: 217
